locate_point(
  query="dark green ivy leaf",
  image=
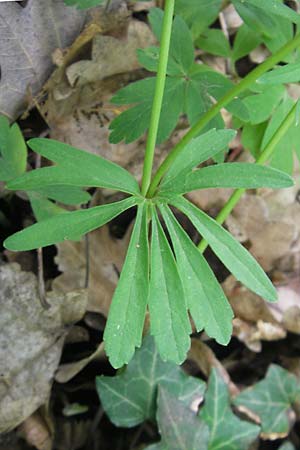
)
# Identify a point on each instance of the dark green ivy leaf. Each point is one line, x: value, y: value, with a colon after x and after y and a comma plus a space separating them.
x: 271, y: 399
x: 124, y: 327
x: 227, y: 432
x: 130, y: 397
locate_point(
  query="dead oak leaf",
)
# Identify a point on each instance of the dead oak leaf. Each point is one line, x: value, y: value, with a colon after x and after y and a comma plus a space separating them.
x: 31, y: 340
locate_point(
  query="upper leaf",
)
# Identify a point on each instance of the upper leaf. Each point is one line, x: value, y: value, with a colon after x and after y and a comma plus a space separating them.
x: 233, y: 255
x: 130, y: 397
x: 75, y: 168
x: 226, y: 430
x: 179, y: 427
x: 13, y: 150
x: 231, y: 175
x: 170, y: 323
x: 124, y: 327
x: 271, y: 399
x: 197, y: 151
x: 199, y: 14
x: 66, y: 226
x: 204, y: 296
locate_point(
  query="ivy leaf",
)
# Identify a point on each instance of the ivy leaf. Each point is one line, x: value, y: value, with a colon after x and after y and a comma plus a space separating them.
x: 271, y: 399
x: 132, y: 123
x: 233, y: 255
x: 179, y: 427
x: 124, y: 327
x: 205, y: 298
x: 13, y: 150
x: 170, y: 323
x: 130, y: 397
x: 290, y: 73
x: 94, y: 170
x: 227, y: 432
x: 198, y: 14
x: 65, y: 226
x: 232, y: 175
x: 196, y: 152
x: 84, y: 4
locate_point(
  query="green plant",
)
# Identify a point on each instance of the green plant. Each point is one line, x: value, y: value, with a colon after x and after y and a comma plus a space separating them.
x: 171, y: 281
x: 192, y: 415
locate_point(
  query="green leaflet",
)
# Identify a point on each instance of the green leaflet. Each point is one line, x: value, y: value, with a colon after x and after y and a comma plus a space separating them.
x: 124, y: 327
x: 129, y: 398
x: 42, y: 207
x: 69, y: 195
x: 197, y: 151
x: 261, y: 105
x: 179, y: 427
x: 198, y: 14
x: 75, y: 168
x: 227, y: 432
x: 233, y: 255
x: 275, y: 7
x: 170, y: 323
x: 205, y: 298
x: 133, y: 122
x: 231, y: 175
x: 65, y: 226
x: 13, y: 150
x: 245, y: 41
x: 290, y: 73
x: 271, y: 399
x: 215, y: 42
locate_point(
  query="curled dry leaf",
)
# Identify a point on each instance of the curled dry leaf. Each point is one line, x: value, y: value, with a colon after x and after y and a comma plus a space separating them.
x: 106, y: 256
x: 31, y: 340
x: 36, y: 432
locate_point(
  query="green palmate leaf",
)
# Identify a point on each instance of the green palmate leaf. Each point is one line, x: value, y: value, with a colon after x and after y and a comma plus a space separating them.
x: 261, y: 105
x: 271, y: 399
x: 13, y: 151
x: 227, y: 432
x: 205, y: 298
x: 84, y: 4
x: 132, y: 123
x: 233, y: 255
x: 130, y: 397
x: 69, y: 195
x: 179, y: 427
x: 124, y: 327
x: 170, y: 324
x: 215, y: 42
x: 75, y: 168
x: 290, y: 73
x: 245, y: 41
x: 42, y: 207
x: 66, y: 226
x: 198, y: 14
x: 232, y: 175
x: 196, y: 152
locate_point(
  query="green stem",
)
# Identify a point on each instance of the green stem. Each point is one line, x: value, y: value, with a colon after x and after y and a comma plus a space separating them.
x: 244, y: 84
x: 158, y: 94
x: 265, y: 155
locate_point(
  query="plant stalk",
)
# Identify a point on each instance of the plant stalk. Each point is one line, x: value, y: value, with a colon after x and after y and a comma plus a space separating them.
x: 265, y: 155
x: 158, y: 94
x: 244, y: 84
